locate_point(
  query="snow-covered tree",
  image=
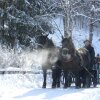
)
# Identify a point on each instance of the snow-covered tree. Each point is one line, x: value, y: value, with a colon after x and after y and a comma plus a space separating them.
x: 24, y: 19
x: 81, y: 13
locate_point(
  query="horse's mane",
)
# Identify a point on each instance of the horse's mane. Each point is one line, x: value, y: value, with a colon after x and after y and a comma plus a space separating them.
x: 84, y: 54
x: 83, y: 51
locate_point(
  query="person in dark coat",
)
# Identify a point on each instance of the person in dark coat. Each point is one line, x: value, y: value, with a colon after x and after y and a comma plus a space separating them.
x: 91, y: 50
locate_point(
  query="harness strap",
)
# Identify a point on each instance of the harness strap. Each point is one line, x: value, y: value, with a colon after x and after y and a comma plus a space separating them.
x: 83, y: 65
x: 88, y: 72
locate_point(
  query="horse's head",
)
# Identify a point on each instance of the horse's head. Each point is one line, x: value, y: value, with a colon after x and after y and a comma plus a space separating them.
x: 44, y: 42
x: 47, y: 50
x: 41, y: 40
x: 68, y: 48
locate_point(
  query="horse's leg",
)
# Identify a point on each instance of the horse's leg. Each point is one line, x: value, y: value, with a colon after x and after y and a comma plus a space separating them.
x: 66, y: 79
x: 94, y: 72
x: 58, y: 77
x: 44, y: 78
x: 62, y: 79
x: 56, y: 74
x: 86, y: 80
x: 69, y: 79
x: 78, y: 80
x: 58, y: 68
x: 83, y: 78
x: 94, y: 77
x: 54, y: 77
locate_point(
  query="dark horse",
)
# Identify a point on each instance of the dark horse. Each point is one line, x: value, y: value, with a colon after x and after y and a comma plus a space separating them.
x: 49, y: 59
x: 75, y: 61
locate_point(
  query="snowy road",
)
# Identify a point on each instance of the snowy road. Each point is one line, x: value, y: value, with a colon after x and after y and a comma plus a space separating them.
x: 62, y: 94
x: 28, y: 87
x: 51, y: 94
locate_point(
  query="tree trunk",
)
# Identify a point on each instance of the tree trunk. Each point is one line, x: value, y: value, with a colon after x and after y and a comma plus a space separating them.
x: 67, y: 21
x: 91, y: 30
x: 91, y: 23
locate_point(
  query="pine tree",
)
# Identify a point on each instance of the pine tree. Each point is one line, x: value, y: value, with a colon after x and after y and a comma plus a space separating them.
x: 25, y: 19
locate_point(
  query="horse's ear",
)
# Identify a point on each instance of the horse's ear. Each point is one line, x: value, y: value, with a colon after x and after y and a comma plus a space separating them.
x: 62, y: 37
x: 47, y: 35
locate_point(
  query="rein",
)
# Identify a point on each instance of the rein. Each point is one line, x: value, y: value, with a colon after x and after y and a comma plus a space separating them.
x: 85, y: 67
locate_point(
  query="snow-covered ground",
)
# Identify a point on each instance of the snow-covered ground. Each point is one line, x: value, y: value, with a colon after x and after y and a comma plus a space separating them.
x: 28, y: 87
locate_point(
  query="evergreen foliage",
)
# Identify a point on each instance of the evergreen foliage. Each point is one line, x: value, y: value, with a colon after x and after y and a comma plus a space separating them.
x: 25, y: 19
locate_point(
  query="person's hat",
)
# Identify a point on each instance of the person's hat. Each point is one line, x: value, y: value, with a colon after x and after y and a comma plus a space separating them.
x: 87, y: 41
